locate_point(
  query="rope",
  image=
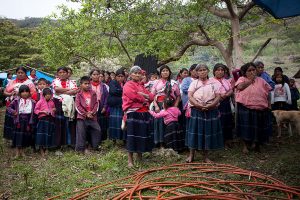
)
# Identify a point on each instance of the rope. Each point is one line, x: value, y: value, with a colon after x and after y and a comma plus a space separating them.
x: 191, y: 181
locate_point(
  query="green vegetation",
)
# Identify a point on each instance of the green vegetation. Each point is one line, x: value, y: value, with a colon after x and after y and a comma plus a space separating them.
x: 34, y: 178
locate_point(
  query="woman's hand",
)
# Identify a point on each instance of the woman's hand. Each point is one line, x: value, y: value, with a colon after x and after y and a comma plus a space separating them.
x: 103, y: 110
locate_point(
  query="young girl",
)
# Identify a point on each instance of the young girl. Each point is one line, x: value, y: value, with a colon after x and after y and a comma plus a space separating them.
x: 22, y: 110
x: 281, y: 95
x: 204, y: 128
x: 101, y: 90
x: 45, y: 109
x: 162, y: 88
x: 294, y: 94
x: 174, y: 137
x: 63, y: 93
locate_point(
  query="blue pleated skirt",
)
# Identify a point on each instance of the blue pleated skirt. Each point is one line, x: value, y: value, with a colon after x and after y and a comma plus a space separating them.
x: 139, y: 132
x: 205, y: 131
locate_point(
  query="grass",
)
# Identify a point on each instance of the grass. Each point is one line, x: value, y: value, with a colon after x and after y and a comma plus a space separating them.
x: 34, y: 178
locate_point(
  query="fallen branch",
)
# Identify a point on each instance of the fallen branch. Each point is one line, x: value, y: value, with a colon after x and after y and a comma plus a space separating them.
x: 261, y: 48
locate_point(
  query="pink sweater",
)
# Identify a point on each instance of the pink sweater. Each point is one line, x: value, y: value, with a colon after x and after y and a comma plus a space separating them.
x: 43, y: 105
x: 169, y: 115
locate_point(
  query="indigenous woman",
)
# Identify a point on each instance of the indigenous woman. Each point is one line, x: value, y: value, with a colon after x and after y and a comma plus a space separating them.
x: 136, y: 100
x: 183, y: 73
x: 225, y: 101
x: 115, y: 105
x: 11, y: 91
x: 252, y: 107
x: 63, y: 93
x: 164, y: 87
x: 204, y: 131
x: 33, y: 76
x: 102, y: 94
x: 186, y: 111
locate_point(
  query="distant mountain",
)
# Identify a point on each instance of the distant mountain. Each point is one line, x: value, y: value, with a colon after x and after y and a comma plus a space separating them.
x: 28, y: 22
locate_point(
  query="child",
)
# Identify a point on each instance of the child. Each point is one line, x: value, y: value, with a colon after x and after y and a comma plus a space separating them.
x: 45, y: 109
x: 22, y: 109
x: 86, y: 104
x: 281, y: 95
x: 294, y: 94
x: 174, y: 137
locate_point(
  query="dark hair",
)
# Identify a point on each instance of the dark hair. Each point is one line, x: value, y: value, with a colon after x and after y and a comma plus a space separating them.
x: 278, y: 69
x: 9, y: 73
x: 259, y: 63
x: 42, y: 79
x: 182, y: 70
x: 23, y: 88
x: 168, y: 102
x: 94, y: 70
x: 21, y: 68
x: 282, y: 79
x: 192, y: 67
x: 245, y: 67
x: 62, y: 68
x: 84, y: 79
x: 165, y: 67
x: 218, y: 65
x: 114, y: 73
x: 32, y: 70
x: 47, y: 91
x: 119, y: 71
x: 69, y: 69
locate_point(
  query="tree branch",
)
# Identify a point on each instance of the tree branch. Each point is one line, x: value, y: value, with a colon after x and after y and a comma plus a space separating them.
x: 85, y: 58
x: 218, y: 12
x: 204, y: 32
x: 230, y: 8
x: 261, y: 48
x: 182, y: 50
x: 245, y: 10
x: 122, y: 45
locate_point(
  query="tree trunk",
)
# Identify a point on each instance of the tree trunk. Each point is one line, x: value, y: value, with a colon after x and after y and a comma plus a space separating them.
x: 237, y: 53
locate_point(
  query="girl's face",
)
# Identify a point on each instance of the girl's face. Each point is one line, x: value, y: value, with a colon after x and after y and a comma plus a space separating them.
x: 120, y: 78
x: 21, y: 75
x: 95, y: 76
x: 136, y: 76
x: 184, y: 74
x: 202, y: 73
x: 25, y: 95
x: 32, y: 73
x: 194, y: 73
x: 101, y: 77
x: 62, y: 74
x: 292, y: 82
x: 42, y: 85
x: 106, y: 76
x: 278, y: 72
x: 9, y: 76
x: 48, y: 97
x: 112, y: 76
x: 165, y: 73
x: 278, y: 79
x: 260, y: 69
x: 251, y: 72
x: 219, y: 73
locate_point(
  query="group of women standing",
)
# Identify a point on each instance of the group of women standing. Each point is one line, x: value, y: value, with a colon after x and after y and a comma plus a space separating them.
x: 194, y: 112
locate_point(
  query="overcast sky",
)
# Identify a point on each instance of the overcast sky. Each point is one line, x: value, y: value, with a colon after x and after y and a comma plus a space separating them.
x: 19, y: 9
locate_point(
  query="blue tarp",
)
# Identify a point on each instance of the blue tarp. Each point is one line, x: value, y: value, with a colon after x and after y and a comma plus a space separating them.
x: 40, y: 74
x: 280, y: 8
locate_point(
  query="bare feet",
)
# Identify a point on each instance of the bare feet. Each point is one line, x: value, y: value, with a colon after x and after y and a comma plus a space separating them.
x: 189, y: 159
x: 86, y: 151
x: 130, y: 164
x: 206, y: 160
x: 245, y: 150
